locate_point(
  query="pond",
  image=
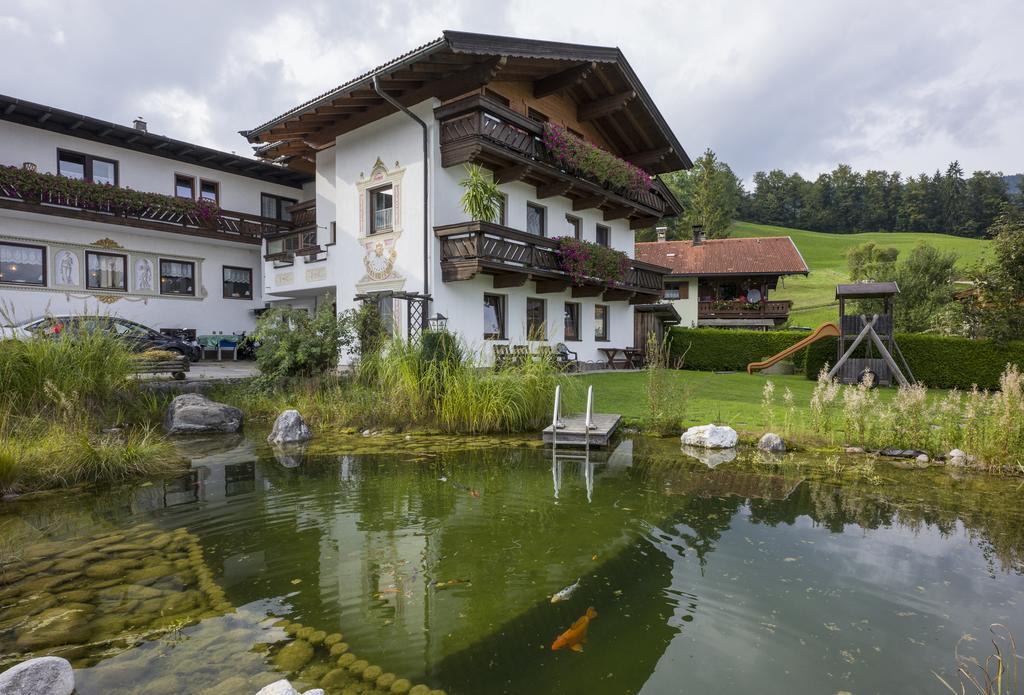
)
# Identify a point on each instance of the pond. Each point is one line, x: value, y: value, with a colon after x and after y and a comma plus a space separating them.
x: 366, y: 562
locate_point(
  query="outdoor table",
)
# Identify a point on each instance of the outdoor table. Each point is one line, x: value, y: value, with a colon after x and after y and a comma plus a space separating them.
x: 218, y: 342
x: 635, y: 357
x: 610, y: 353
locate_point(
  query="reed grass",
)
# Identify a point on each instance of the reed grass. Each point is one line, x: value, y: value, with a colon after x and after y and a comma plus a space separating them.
x: 988, y: 425
x: 414, y: 385
x: 71, y: 413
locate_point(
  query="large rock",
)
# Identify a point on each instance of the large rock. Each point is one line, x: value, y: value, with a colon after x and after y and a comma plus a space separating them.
x: 193, y: 413
x: 959, y: 458
x: 710, y: 437
x: 771, y: 442
x: 47, y: 675
x: 289, y: 428
x: 281, y: 687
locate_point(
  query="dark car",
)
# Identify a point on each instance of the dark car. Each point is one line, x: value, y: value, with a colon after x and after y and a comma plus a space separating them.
x: 139, y: 338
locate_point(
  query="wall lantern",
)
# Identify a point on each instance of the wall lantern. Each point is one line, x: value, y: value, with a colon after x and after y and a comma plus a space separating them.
x: 438, y: 323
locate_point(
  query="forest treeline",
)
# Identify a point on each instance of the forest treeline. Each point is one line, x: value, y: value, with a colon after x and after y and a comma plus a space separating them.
x: 842, y: 201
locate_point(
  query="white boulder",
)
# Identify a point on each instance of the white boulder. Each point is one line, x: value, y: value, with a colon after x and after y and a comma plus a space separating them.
x: 47, y: 675
x: 289, y: 428
x: 771, y: 442
x: 958, y: 457
x: 281, y: 687
x: 923, y: 458
x: 710, y: 437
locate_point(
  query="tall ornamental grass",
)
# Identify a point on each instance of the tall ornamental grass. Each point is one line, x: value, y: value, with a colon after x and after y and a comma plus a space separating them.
x: 71, y: 414
x: 988, y: 425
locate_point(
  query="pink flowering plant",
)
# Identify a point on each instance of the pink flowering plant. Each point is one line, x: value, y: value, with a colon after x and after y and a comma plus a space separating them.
x: 102, y: 197
x: 578, y: 155
x: 585, y: 260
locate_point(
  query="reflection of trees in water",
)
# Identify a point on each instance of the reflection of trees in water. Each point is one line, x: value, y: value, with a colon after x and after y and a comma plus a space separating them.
x: 992, y: 521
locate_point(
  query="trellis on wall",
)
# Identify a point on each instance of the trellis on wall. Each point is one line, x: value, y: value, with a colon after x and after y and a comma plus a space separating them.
x: 417, y: 308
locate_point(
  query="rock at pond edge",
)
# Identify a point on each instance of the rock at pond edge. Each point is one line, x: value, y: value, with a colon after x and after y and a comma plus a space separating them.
x: 289, y: 428
x: 192, y: 413
x: 771, y: 442
x: 47, y: 675
x: 710, y: 437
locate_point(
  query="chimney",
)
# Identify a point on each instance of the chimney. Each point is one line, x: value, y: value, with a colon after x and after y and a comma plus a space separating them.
x: 140, y: 124
x: 662, y: 233
x: 698, y: 234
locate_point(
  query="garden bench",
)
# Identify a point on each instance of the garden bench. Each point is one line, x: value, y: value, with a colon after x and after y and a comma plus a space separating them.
x: 176, y: 367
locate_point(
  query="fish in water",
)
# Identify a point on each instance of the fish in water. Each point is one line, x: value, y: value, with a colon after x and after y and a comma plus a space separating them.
x: 473, y: 492
x: 575, y: 635
x: 566, y: 593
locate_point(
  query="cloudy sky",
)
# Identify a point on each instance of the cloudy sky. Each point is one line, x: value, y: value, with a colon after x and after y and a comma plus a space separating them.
x: 797, y: 85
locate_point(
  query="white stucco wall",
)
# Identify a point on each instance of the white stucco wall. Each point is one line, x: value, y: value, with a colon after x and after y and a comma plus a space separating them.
x: 687, y: 308
x: 342, y: 175
x: 206, y: 312
x: 136, y: 170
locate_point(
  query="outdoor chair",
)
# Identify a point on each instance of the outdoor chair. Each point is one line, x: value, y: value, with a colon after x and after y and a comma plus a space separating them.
x: 565, y: 358
x: 520, y: 354
x: 502, y: 356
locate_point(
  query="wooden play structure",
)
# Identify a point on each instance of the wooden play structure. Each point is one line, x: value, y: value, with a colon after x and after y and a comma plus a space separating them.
x: 878, y: 330
x: 852, y: 331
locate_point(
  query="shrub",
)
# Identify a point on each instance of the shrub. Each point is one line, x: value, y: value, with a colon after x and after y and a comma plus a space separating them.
x: 482, y: 198
x: 937, y: 361
x: 295, y: 343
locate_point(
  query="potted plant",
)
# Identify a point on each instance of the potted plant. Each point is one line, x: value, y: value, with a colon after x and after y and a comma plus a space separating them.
x: 481, y: 199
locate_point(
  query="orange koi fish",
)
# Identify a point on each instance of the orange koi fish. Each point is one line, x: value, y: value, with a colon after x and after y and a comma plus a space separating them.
x: 576, y: 634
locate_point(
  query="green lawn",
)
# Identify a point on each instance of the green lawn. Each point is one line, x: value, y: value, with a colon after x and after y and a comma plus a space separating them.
x: 725, y: 399
x: 814, y: 296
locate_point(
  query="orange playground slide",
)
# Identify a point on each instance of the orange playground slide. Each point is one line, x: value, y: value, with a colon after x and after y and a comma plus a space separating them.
x: 825, y: 330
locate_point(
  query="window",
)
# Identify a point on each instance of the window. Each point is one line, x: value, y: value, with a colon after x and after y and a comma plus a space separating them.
x: 677, y: 290
x: 603, y: 235
x: 106, y: 271
x: 535, y: 321
x: 21, y: 264
x: 273, y: 206
x: 503, y: 209
x: 572, y: 321
x: 184, y: 186
x: 536, y: 219
x: 177, y: 277
x: 209, y: 190
x: 75, y: 165
x: 283, y: 244
x: 491, y: 94
x: 600, y: 322
x: 535, y: 115
x: 237, y: 282
x: 494, y: 317
x: 575, y: 224
x: 382, y: 208
x: 334, y: 233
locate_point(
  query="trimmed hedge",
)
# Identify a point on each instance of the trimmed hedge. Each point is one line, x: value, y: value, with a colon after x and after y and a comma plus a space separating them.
x: 937, y: 361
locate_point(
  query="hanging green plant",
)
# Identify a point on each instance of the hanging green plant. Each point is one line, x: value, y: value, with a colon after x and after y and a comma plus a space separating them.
x: 102, y: 197
x: 578, y: 155
x: 482, y: 199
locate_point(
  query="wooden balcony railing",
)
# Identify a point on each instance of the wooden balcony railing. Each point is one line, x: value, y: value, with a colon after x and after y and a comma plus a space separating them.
x: 513, y: 257
x: 478, y: 128
x: 229, y: 225
x: 303, y: 215
x: 771, y: 309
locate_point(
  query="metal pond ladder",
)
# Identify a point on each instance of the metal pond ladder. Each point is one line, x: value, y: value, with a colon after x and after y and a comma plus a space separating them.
x: 556, y: 416
x: 556, y: 459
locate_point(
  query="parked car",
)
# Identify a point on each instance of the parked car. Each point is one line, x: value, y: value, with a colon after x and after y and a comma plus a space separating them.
x: 139, y: 338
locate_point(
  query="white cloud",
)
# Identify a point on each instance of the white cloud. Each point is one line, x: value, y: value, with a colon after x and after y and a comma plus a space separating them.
x: 177, y: 113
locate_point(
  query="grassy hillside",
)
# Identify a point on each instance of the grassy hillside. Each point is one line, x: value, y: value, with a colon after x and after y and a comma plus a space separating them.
x: 814, y: 296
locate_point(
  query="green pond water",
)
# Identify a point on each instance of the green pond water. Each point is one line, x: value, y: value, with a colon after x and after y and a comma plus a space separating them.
x: 372, y: 564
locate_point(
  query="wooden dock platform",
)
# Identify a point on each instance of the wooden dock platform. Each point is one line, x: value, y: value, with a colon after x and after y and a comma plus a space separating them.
x: 574, y: 431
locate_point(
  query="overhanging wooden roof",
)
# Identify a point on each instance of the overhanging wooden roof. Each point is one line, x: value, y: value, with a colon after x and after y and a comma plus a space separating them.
x: 80, y: 126
x: 599, y: 79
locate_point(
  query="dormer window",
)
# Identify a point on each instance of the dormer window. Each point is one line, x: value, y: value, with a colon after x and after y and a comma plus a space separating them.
x: 382, y: 208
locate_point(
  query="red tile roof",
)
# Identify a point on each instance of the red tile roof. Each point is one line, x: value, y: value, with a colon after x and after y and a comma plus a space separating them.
x: 746, y: 256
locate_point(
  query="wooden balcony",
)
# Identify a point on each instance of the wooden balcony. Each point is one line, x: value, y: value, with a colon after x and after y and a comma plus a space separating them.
x: 513, y: 258
x: 479, y: 129
x: 775, y: 310
x: 227, y: 225
x: 303, y: 215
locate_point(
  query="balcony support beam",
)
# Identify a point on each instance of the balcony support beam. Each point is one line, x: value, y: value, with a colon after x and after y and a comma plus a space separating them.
x: 594, y: 201
x: 579, y: 291
x: 549, y: 190
x: 513, y: 173
x: 648, y: 157
x: 507, y: 280
x: 617, y: 295
x: 546, y: 286
x: 643, y: 222
x: 617, y: 214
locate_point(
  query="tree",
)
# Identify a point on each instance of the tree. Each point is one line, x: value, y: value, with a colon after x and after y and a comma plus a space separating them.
x: 868, y: 262
x: 998, y: 307
x: 987, y: 192
x: 714, y: 196
x: 925, y: 279
x: 953, y: 200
